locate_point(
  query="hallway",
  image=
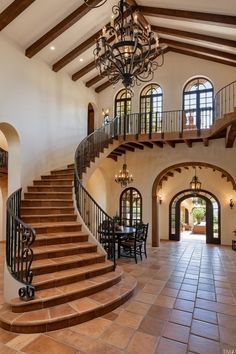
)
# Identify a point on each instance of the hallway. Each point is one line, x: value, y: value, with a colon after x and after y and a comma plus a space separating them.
x: 185, y: 303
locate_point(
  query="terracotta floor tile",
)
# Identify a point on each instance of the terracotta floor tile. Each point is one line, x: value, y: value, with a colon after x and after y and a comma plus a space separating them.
x: 159, y: 312
x: 184, y: 305
x: 176, y: 332
x: 145, y: 297
x: 142, y: 342
x: 152, y: 326
x: 222, y: 291
x: 227, y: 321
x: 99, y: 347
x: 22, y: 340
x: 204, y: 315
x: 181, y: 317
x: 6, y: 336
x: 227, y: 336
x: 169, y: 292
x: 203, y: 345
x: 72, y: 339
x: 205, y: 329
x: 165, y: 301
x: 4, y: 349
x: 129, y: 319
x: 117, y: 335
x: 186, y: 295
x: 167, y: 346
x: 226, y: 299
x: 94, y: 328
x: 138, y: 307
x: 53, y: 347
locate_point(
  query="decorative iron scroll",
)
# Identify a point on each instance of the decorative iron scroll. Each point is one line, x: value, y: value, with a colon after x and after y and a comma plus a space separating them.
x: 19, y: 254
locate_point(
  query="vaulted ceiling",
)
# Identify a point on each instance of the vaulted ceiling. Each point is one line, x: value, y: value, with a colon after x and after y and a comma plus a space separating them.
x: 204, y: 29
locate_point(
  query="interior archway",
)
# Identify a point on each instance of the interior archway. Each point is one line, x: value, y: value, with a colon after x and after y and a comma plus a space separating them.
x: 212, y: 215
x: 168, y: 173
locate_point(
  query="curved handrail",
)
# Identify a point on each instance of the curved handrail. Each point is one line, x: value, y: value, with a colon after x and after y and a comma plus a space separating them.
x: 19, y: 238
x: 225, y: 100
x: 95, y: 218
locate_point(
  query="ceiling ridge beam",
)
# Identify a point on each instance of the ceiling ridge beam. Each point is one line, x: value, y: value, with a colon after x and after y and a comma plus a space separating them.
x: 85, y: 70
x: 12, y: 11
x: 57, y: 30
x: 188, y: 15
x: 194, y: 35
x: 202, y: 56
x: 94, y: 80
x: 198, y: 48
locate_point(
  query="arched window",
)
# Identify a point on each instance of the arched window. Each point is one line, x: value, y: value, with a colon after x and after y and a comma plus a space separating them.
x: 151, y: 106
x: 122, y: 103
x: 131, y: 206
x: 198, y: 103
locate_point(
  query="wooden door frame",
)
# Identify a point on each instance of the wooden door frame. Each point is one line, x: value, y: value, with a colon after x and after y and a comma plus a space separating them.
x: 209, y: 215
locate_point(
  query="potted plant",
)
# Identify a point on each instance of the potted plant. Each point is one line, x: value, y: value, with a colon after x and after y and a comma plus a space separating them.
x: 198, y: 214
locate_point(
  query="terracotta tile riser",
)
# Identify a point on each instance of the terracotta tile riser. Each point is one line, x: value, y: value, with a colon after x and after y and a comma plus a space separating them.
x: 26, y: 307
x: 65, y: 228
x: 46, y: 211
x: 67, y: 196
x: 52, y: 177
x: 46, y: 203
x: 52, y: 182
x: 65, y: 252
x: 72, y: 279
x: 70, y: 321
x: 48, y: 218
x: 63, y: 266
x: 49, y: 189
x: 69, y: 172
x: 58, y: 240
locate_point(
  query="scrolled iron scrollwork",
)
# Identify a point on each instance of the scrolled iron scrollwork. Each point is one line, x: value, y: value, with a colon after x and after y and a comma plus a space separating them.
x: 27, y: 293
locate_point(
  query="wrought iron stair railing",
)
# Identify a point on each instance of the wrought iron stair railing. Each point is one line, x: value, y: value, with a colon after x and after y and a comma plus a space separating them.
x: 225, y: 100
x: 100, y: 224
x: 19, y: 254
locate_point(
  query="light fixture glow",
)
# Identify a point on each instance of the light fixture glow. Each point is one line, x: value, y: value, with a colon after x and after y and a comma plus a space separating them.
x: 195, y: 183
x: 124, y: 178
x: 52, y: 47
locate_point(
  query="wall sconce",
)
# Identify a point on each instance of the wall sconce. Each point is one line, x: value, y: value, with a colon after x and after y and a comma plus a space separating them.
x: 231, y: 203
x: 160, y: 198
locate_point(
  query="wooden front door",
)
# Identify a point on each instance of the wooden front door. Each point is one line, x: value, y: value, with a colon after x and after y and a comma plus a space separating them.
x: 90, y: 119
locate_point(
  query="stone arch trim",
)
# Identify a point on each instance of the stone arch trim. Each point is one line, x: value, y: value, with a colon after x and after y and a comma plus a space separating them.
x: 156, y: 184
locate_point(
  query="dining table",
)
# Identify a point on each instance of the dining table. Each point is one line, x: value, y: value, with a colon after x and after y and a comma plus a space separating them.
x: 123, y: 232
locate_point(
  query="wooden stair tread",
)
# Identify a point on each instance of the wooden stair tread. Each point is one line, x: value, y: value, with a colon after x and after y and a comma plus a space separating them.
x: 61, y: 234
x: 56, y: 223
x: 71, y: 313
x: 48, y: 296
x: 73, y: 272
x: 64, y: 246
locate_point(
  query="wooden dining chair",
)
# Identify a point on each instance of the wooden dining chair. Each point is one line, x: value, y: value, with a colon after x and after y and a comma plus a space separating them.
x: 132, y: 246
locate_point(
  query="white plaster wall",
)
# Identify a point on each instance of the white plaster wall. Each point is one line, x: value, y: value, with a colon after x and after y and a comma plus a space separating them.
x: 96, y: 186
x: 147, y: 164
x: 172, y: 77
x: 47, y: 109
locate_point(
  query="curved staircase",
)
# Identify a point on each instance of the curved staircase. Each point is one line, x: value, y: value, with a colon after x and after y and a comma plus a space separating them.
x: 73, y: 281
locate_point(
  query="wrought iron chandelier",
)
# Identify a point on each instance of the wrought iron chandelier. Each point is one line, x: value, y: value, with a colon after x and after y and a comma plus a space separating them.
x: 195, y: 183
x: 124, y: 178
x: 94, y: 6
x: 126, y: 50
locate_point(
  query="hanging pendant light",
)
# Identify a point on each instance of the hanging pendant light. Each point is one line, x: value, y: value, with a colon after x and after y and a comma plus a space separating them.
x: 195, y: 183
x: 124, y: 178
x: 87, y: 2
x: 127, y: 50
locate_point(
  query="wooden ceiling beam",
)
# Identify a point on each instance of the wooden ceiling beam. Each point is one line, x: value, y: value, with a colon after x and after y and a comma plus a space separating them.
x: 85, y: 70
x: 206, y: 142
x: 94, y: 80
x: 113, y: 157
x: 128, y: 148
x: 158, y: 143
x: 119, y: 150
x: 230, y: 136
x: 170, y: 174
x: 12, y: 11
x: 148, y: 144
x: 202, y: 56
x: 193, y: 35
x: 136, y: 145
x: 170, y: 143
x: 103, y: 86
x: 197, y: 48
x: 188, y: 143
x: 61, y: 27
x: 187, y: 15
x: 178, y: 170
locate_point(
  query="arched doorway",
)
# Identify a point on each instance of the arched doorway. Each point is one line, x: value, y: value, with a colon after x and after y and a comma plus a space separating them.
x: 90, y: 125
x: 212, y: 215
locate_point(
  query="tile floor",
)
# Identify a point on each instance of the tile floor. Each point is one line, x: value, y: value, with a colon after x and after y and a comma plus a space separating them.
x: 185, y: 302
